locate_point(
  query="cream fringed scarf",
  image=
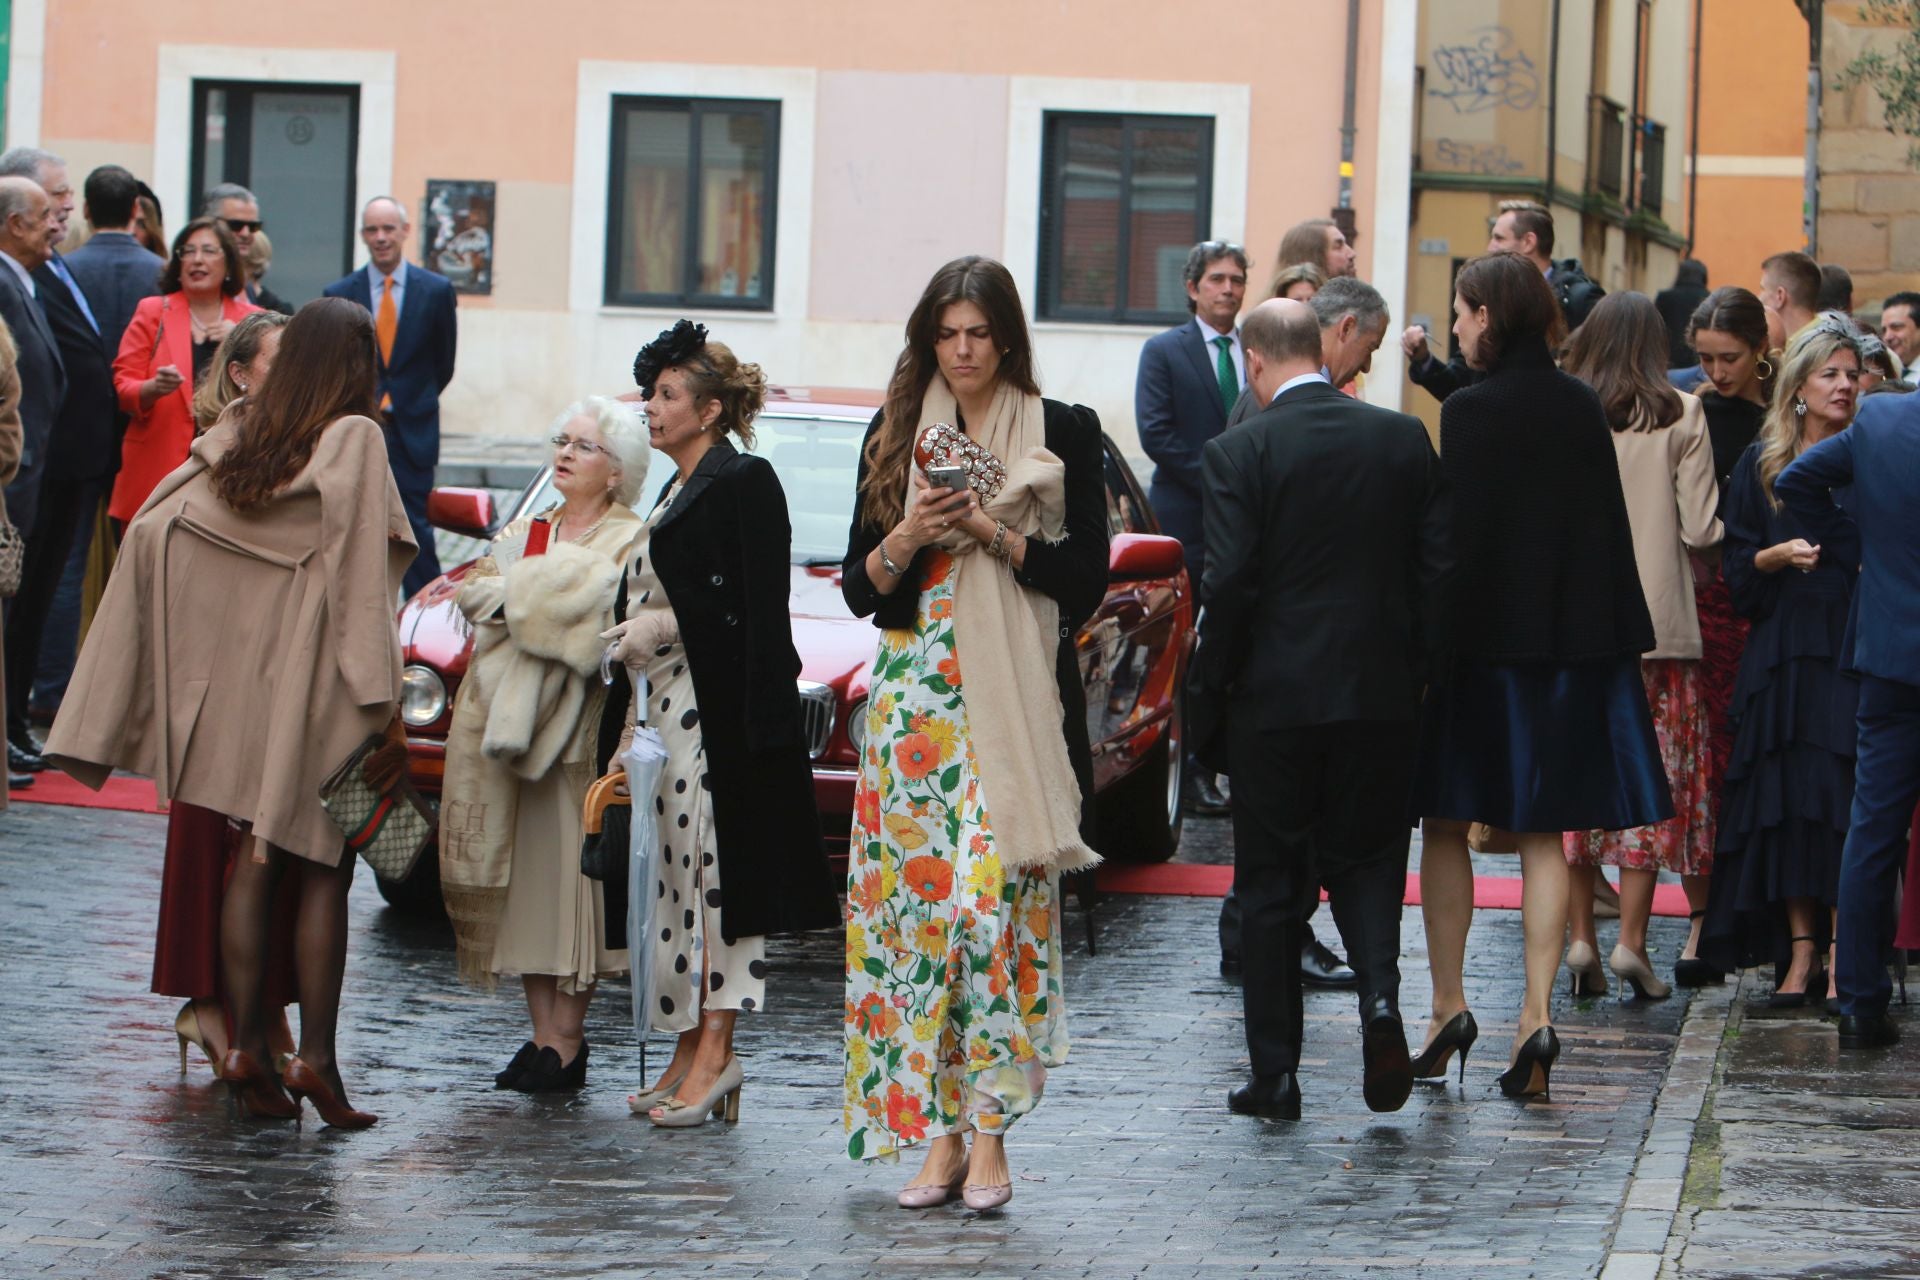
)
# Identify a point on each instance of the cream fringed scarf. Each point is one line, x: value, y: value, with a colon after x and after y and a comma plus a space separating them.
x: 1006, y: 637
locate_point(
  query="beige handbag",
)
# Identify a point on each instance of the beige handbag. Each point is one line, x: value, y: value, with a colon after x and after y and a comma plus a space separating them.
x: 13, y: 559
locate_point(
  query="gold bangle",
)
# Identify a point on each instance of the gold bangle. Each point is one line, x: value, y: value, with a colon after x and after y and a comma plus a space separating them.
x: 998, y: 547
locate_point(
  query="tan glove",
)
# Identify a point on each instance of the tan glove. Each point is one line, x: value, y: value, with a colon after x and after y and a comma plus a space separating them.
x: 636, y: 640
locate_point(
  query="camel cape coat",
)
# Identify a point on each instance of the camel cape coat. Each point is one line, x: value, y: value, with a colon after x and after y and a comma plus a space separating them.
x: 237, y: 658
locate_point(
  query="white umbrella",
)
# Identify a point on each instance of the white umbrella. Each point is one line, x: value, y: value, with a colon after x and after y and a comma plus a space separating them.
x: 644, y: 762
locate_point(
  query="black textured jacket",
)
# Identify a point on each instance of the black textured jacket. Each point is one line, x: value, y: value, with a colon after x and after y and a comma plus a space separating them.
x: 722, y: 554
x: 1543, y: 552
x: 1073, y: 571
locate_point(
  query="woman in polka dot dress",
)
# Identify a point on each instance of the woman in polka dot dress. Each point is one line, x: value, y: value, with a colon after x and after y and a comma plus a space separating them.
x: 707, y: 623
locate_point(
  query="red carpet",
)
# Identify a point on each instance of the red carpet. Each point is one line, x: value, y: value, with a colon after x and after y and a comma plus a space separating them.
x: 130, y: 794
x: 1182, y: 879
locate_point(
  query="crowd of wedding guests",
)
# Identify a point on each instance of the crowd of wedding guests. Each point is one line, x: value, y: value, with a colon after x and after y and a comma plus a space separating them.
x: 1627, y: 617
x: 1609, y: 622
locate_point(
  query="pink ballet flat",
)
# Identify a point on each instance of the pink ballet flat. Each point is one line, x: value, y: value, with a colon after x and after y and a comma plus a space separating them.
x: 981, y: 1199
x: 928, y: 1197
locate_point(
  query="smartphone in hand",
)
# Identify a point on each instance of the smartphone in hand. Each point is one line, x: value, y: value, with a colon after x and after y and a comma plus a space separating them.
x: 954, y: 478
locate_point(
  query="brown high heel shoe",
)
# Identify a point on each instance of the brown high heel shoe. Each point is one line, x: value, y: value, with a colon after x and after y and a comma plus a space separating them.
x: 257, y: 1092
x: 304, y: 1082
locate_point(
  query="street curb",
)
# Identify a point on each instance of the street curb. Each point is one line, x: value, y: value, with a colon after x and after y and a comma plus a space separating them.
x: 1652, y: 1199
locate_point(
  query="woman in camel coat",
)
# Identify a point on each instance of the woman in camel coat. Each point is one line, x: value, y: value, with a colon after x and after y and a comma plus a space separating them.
x: 245, y: 647
x: 11, y: 441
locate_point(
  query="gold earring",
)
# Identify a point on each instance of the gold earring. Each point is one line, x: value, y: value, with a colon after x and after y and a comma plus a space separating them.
x: 1764, y: 368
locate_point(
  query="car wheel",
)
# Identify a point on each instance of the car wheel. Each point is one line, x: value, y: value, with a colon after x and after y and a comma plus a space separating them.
x: 419, y: 894
x: 1140, y: 816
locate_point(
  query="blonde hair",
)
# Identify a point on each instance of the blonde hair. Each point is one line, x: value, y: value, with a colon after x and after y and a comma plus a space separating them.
x: 242, y: 343
x: 1780, y: 434
x: 1297, y: 273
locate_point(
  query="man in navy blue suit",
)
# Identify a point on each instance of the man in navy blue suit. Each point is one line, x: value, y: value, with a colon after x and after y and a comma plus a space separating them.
x: 1879, y: 455
x: 415, y: 320
x: 1189, y: 377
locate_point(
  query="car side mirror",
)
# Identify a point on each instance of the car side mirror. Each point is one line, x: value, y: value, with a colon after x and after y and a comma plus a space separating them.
x: 1137, y: 557
x: 464, y: 511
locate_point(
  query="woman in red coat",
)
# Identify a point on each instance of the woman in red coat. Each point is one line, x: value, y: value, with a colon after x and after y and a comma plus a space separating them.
x: 167, y: 349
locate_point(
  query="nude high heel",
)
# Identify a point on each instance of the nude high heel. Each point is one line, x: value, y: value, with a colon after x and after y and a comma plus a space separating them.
x: 1638, y: 974
x: 186, y: 1025
x: 1586, y: 976
x: 647, y: 1099
x: 722, y: 1100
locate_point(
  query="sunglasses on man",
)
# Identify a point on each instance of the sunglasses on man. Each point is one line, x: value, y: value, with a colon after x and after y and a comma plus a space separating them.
x: 237, y: 225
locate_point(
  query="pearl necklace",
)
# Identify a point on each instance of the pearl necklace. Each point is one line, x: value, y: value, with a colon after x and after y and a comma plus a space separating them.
x: 556, y: 514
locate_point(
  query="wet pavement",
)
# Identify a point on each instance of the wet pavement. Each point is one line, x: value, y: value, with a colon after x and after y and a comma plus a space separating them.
x: 113, y: 1164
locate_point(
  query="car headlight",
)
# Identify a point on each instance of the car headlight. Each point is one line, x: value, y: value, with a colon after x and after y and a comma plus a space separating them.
x: 423, y: 696
x: 857, y: 727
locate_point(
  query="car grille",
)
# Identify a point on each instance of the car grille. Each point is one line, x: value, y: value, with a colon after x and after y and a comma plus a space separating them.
x: 816, y: 714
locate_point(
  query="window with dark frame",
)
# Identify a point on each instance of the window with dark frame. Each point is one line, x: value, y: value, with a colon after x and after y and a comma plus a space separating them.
x: 1122, y: 200
x: 692, y: 189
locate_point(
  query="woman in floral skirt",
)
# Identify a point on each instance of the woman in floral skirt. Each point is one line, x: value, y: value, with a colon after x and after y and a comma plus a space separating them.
x: 974, y: 768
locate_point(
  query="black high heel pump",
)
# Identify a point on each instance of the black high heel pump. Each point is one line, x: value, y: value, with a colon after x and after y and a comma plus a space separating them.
x: 1532, y: 1066
x: 1457, y: 1036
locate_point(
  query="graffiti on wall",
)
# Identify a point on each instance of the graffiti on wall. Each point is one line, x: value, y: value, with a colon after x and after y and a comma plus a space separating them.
x: 1476, y: 157
x: 1485, y: 74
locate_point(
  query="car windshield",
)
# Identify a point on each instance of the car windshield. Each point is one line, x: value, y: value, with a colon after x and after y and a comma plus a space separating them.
x: 816, y: 459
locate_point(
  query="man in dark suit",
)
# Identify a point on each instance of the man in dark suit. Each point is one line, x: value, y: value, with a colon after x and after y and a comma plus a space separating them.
x: 415, y: 321
x: 1879, y: 455
x: 114, y: 272
x: 1189, y: 377
x: 29, y: 228
x: 83, y: 450
x: 1353, y: 321
x: 1327, y: 532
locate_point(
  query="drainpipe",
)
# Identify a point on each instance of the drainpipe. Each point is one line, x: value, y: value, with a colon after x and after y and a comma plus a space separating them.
x: 1815, y: 11
x: 1343, y: 207
x: 1693, y: 148
x: 1553, y: 102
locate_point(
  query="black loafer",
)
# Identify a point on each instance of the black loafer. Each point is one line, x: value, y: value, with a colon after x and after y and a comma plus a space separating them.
x: 22, y: 760
x: 21, y: 781
x: 1205, y: 798
x: 1388, y: 1077
x: 1320, y: 967
x: 1273, y: 1097
x: 522, y: 1059
x: 1867, y: 1031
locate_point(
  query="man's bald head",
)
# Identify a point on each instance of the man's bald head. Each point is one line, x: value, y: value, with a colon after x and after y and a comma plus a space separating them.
x: 28, y: 224
x: 1282, y: 341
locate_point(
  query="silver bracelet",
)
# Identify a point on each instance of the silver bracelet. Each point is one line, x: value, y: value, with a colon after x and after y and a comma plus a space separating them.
x: 886, y: 561
x: 998, y: 547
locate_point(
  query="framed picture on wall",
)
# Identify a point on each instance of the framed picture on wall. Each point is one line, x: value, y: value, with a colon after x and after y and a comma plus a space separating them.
x: 457, y: 238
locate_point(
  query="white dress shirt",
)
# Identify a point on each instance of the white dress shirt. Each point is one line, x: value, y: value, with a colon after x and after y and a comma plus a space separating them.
x: 26, y: 278
x: 1299, y: 379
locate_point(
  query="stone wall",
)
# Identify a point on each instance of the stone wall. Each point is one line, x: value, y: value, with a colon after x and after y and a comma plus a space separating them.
x: 1869, y: 190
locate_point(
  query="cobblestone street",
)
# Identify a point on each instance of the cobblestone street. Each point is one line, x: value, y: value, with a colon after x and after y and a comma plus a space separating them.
x: 111, y: 1164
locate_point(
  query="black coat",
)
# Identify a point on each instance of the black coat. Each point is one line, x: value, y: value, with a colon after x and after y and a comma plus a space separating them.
x: 1331, y: 523
x: 1544, y: 553
x: 1073, y: 571
x: 722, y: 553
x: 86, y: 434
x: 43, y: 389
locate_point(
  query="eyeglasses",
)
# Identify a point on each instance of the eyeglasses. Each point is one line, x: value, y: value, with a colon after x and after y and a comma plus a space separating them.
x: 202, y: 251
x: 237, y: 225
x: 563, y: 443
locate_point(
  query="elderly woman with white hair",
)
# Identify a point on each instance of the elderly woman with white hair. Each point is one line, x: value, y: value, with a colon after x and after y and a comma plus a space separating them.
x: 521, y: 750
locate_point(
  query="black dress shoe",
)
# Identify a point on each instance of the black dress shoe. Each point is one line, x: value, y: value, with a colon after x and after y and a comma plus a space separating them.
x: 1204, y: 796
x: 1275, y: 1097
x: 1388, y: 1077
x: 547, y: 1074
x: 1320, y: 967
x: 516, y: 1068
x: 1867, y: 1031
x: 21, y: 781
x: 22, y: 760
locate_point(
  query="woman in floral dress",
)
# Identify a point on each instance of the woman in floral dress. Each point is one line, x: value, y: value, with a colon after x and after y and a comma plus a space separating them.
x: 975, y: 762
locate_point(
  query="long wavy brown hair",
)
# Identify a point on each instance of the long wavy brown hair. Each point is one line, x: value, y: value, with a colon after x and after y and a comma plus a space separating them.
x: 987, y: 285
x: 325, y: 370
x: 1621, y: 352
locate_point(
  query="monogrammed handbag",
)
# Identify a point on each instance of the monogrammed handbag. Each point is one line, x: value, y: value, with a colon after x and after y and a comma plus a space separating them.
x: 13, y: 559
x: 387, y: 828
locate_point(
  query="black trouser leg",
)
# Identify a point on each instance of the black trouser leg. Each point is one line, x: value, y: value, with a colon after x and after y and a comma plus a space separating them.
x: 1361, y: 848
x: 1230, y: 926
x: 46, y: 559
x: 1273, y: 816
x: 1366, y: 905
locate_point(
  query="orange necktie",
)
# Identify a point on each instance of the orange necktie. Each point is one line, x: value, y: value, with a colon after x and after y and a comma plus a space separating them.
x: 385, y: 325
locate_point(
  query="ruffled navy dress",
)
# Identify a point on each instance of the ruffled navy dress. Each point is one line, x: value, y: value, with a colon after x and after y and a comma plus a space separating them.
x: 1789, y: 789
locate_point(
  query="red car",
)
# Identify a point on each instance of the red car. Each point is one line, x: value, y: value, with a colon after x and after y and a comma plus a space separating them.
x: 1133, y: 652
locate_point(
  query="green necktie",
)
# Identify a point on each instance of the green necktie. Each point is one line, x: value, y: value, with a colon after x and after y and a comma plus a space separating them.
x: 1229, y: 380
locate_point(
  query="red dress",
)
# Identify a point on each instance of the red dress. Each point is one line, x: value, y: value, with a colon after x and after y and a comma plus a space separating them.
x: 201, y: 849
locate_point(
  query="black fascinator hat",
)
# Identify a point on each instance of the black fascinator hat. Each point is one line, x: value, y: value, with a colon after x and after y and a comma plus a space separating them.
x: 675, y: 346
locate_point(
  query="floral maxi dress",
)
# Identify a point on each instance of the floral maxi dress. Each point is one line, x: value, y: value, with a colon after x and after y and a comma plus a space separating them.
x: 954, y: 1008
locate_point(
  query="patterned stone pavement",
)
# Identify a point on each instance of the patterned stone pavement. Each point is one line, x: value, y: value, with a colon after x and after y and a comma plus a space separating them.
x: 113, y: 1164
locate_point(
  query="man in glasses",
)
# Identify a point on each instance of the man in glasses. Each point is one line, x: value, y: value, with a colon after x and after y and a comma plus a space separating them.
x: 416, y: 326
x: 239, y: 208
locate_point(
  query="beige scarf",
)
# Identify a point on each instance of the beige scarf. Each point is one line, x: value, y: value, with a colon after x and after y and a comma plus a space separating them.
x: 1007, y: 637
